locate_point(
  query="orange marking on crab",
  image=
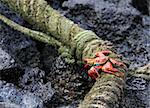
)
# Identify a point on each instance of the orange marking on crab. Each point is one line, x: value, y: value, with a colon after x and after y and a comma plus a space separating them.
x: 109, y: 68
x: 103, y: 62
x: 99, y: 60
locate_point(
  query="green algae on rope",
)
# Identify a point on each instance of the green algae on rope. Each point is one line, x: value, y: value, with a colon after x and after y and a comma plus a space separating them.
x: 106, y: 93
x: 46, y: 19
x: 63, y: 50
x: 50, y: 22
x: 143, y: 72
x: 34, y: 34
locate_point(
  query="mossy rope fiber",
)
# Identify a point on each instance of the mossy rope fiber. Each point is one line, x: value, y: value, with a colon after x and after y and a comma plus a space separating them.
x: 51, y: 23
x: 86, y: 43
x: 31, y: 33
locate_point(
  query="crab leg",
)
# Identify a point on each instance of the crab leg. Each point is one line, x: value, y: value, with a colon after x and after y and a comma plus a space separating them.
x: 93, y: 72
x: 117, y: 63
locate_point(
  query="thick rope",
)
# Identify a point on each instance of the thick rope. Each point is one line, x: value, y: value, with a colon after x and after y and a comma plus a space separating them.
x: 107, y: 92
x: 31, y: 33
x: 143, y: 72
x: 86, y: 43
x: 45, y: 18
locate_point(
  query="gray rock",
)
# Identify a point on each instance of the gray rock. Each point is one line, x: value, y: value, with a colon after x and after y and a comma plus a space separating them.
x: 136, y: 93
x: 117, y: 21
x: 10, y: 94
x: 21, y: 48
x: 8, y: 105
x: 33, y: 81
x: 29, y: 100
x: 148, y: 96
x: 136, y: 84
x: 142, y: 5
x: 9, y: 70
x: 6, y: 61
x: 16, y: 50
x: 16, y: 44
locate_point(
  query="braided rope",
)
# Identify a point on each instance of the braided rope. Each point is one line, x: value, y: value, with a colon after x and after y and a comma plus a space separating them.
x: 143, y: 72
x: 106, y: 93
x: 87, y: 43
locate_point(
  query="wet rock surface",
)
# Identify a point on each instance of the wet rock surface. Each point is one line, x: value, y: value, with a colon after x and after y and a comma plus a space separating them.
x: 36, y: 76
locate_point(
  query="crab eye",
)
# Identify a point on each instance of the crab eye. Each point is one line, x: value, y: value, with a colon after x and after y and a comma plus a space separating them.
x: 97, y: 60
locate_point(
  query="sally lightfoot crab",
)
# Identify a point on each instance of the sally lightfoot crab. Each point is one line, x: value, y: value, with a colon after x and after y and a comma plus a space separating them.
x: 102, y: 62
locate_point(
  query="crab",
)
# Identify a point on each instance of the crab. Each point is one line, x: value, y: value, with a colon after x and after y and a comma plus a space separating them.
x: 102, y: 62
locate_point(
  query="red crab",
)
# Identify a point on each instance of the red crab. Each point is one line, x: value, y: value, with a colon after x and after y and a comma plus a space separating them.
x: 103, y: 62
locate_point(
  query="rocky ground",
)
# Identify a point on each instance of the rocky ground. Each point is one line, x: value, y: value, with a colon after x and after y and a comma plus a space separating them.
x: 33, y: 75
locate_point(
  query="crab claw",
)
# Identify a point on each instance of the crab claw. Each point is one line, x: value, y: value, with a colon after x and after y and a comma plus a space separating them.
x: 117, y: 63
x: 108, y: 68
x: 93, y: 73
x: 103, y: 53
x: 86, y: 66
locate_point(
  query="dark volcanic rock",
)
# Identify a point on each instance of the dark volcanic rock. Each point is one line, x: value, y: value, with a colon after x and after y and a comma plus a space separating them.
x: 33, y: 81
x: 48, y: 55
x: 21, y: 48
x: 8, y: 105
x: 10, y: 70
x: 16, y: 50
x: 68, y: 83
x: 19, y: 61
x: 10, y: 94
x: 117, y: 21
x: 142, y: 5
x: 6, y: 61
x: 138, y: 92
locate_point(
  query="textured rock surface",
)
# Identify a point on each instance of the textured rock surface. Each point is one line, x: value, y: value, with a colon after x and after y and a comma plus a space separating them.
x: 33, y: 81
x: 24, y: 99
x: 142, y: 5
x: 117, y: 21
x: 137, y: 93
x: 6, y: 61
x: 19, y: 67
x: 68, y: 83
